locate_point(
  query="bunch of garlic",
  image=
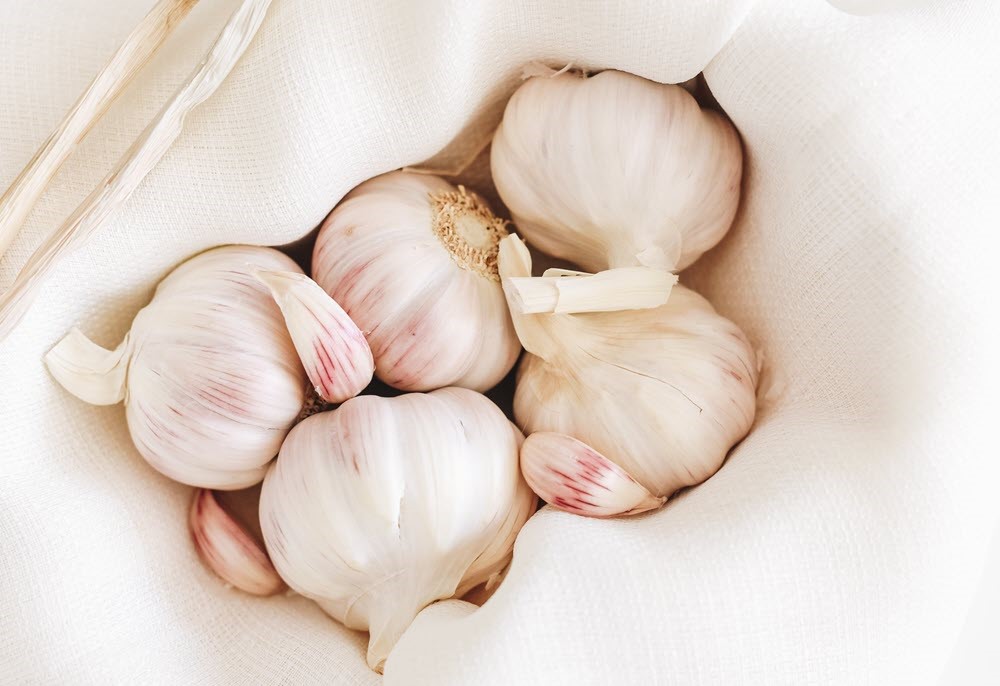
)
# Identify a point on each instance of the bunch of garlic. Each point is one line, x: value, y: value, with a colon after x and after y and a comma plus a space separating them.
x: 664, y: 393
x: 412, y: 259
x: 613, y: 172
x: 384, y: 505
x: 209, y: 373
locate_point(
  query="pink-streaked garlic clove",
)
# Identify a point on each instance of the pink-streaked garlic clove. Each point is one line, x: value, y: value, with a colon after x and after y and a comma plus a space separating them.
x: 332, y: 348
x: 230, y: 550
x: 570, y: 475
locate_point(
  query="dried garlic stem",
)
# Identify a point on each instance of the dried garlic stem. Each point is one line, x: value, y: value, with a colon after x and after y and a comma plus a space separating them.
x: 138, y: 161
x: 565, y: 291
x: 128, y: 61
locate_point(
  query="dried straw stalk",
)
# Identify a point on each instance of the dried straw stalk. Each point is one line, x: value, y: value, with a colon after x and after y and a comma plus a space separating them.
x: 131, y: 57
x: 112, y: 192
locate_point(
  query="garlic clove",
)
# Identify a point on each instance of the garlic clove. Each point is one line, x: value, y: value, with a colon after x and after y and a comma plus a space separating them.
x: 565, y: 291
x: 228, y: 549
x: 332, y: 348
x: 570, y: 475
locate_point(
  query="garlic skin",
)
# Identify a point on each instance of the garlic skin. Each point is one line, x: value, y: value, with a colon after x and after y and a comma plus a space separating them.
x: 228, y: 549
x: 566, y: 291
x: 570, y: 475
x: 385, y: 505
x: 613, y: 170
x: 664, y: 393
x: 412, y: 260
x: 332, y: 348
x: 208, y: 373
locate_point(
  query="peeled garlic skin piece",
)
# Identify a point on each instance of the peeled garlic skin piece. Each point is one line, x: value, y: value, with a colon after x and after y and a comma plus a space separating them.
x: 664, y: 393
x: 384, y: 505
x: 421, y: 284
x: 213, y: 381
x: 615, y: 170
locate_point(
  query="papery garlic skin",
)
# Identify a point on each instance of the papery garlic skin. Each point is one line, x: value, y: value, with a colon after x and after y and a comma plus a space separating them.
x: 412, y: 260
x: 614, y: 170
x: 664, y: 393
x: 384, y: 505
x: 570, y: 475
x: 208, y: 373
x: 332, y: 348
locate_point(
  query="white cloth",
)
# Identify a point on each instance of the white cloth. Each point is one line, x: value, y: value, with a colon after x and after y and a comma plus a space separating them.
x: 840, y: 542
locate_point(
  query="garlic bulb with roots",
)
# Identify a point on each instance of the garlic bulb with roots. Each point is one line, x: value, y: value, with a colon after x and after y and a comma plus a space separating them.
x: 208, y: 373
x: 385, y: 505
x: 613, y: 172
x: 664, y: 393
x: 412, y: 260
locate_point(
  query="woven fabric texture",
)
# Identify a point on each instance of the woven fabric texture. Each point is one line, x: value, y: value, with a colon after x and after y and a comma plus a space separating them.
x: 841, y: 541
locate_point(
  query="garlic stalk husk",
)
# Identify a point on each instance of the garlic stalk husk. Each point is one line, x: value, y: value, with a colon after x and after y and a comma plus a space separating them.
x: 566, y: 291
x: 331, y: 347
x: 570, y: 475
x: 385, y: 505
x: 145, y: 153
x: 139, y: 47
x: 228, y: 549
x: 613, y: 171
x: 664, y: 393
x: 208, y: 373
x: 412, y: 260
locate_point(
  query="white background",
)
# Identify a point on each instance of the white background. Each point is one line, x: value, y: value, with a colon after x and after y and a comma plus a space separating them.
x: 976, y: 661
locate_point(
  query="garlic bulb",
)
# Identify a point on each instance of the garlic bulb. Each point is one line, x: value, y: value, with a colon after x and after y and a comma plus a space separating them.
x: 412, y: 260
x: 210, y: 379
x: 570, y: 475
x: 385, y: 505
x: 664, y: 393
x: 616, y: 171
x: 228, y: 549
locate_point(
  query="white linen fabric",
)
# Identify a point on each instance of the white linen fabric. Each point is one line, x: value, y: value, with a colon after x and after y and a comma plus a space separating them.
x: 838, y: 545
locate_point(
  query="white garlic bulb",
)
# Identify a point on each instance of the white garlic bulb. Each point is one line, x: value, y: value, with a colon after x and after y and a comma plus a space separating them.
x: 664, y: 393
x: 385, y: 505
x: 208, y: 373
x: 613, y: 171
x: 412, y: 260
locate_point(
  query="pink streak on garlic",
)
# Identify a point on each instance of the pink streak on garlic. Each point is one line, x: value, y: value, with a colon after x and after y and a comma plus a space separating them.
x: 228, y: 549
x: 570, y: 475
x: 332, y: 348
